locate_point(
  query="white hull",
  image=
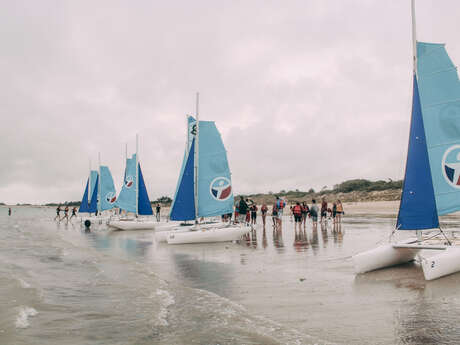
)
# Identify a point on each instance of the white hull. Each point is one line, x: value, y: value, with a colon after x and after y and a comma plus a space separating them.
x: 207, y: 235
x: 133, y: 224
x: 161, y: 234
x: 442, y: 264
x: 381, y: 257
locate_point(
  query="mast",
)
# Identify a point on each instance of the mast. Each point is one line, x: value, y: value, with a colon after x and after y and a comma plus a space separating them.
x: 414, y: 56
x: 137, y: 174
x: 89, y: 183
x: 414, y: 37
x: 99, y: 185
x: 195, y: 163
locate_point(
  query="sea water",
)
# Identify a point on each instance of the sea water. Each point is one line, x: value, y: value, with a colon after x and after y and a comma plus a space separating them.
x: 62, y: 285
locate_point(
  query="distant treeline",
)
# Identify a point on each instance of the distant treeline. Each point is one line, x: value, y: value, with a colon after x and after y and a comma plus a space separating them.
x: 164, y: 200
x: 356, y: 185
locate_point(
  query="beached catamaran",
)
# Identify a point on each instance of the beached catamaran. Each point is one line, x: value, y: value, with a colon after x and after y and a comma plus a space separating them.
x: 133, y: 198
x: 99, y: 195
x: 204, y: 188
x: 431, y: 185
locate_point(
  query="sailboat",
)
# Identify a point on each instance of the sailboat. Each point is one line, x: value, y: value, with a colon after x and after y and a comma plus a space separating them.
x: 431, y: 185
x: 133, y: 198
x: 204, y: 188
x: 99, y: 195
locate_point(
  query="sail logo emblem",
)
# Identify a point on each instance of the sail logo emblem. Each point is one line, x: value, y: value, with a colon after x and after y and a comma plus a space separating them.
x: 451, y: 166
x: 110, y: 197
x: 129, y: 180
x: 220, y: 188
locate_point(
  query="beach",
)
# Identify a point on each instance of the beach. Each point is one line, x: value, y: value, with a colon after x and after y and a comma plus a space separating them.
x: 69, y: 286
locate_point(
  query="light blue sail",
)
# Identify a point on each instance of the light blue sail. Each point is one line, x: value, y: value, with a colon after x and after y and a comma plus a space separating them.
x: 215, y: 194
x: 439, y: 89
x: 107, y: 189
x: 93, y: 203
x: 127, y: 198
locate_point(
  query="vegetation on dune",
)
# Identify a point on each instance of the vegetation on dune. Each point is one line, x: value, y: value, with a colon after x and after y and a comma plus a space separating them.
x: 347, y: 191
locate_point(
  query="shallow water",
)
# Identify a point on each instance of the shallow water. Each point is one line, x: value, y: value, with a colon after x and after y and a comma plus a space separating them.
x: 67, y: 286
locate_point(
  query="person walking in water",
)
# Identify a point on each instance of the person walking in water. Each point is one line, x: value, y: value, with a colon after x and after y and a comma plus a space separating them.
x: 58, y: 213
x: 305, y: 211
x: 264, y: 210
x: 158, y: 209
x: 9, y: 211
x: 74, y: 213
x: 66, y: 213
x: 314, y: 213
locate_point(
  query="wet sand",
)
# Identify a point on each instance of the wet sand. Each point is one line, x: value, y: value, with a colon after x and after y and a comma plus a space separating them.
x: 295, y: 287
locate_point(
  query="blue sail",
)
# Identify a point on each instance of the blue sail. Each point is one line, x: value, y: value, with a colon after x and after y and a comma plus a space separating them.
x: 127, y: 197
x: 93, y: 203
x: 439, y: 89
x: 108, y: 194
x: 191, y: 131
x: 215, y: 194
x: 143, y: 205
x: 183, y: 207
x: 418, y: 207
x: 93, y: 177
x: 84, y: 206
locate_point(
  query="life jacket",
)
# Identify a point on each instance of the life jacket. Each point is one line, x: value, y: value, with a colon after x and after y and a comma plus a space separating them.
x: 280, y: 204
x: 297, y: 209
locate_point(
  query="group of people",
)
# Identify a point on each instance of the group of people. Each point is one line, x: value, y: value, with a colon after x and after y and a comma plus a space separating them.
x: 246, y: 212
x: 66, y: 213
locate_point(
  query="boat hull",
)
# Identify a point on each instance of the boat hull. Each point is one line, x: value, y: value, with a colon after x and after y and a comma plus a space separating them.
x: 207, y: 235
x: 127, y: 225
x: 442, y: 264
x: 381, y: 257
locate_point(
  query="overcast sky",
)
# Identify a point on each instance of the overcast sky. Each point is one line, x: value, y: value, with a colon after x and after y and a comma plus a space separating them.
x: 305, y: 93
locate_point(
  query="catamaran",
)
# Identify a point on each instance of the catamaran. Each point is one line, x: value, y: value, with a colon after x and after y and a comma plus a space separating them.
x: 99, y: 195
x: 431, y: 185
x: 204, y: 188
x: 133, y: 198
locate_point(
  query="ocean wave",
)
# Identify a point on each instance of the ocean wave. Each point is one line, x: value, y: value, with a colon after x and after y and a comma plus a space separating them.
x: 22, y: 320
x: 166, y: 300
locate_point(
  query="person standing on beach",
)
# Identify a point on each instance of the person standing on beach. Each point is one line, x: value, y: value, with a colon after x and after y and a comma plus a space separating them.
x: 74, y: 213
x: 242, y: 210
x: 158, y: 209
x: 339, y: 211
x: 264, y: 210
x: 305, y: 211
x: 9, y: 211
x: 253, y: 214
x: 323, y: 209
x: 280, y: 204
x: 314, y: 213
x: 248, y: 212
x: 58, y: 213
x: 297, y: 212
x: 274, y: 216
x: 334, y: 212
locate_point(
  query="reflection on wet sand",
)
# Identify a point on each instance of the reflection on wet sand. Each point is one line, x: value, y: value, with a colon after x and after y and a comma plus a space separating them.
x: 278, y: 239
x: 300, y: 240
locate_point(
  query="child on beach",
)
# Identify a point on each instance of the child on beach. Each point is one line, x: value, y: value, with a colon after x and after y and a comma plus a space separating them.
x: 323, y: 209
x: 74, y: 212
x: 305, y: 211
x: 253, y: 214
x: 297, y: 212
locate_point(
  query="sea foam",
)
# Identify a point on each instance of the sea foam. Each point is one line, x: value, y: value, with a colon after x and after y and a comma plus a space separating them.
x: 22, y: 321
